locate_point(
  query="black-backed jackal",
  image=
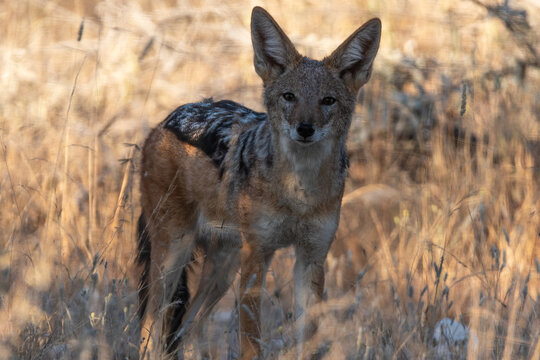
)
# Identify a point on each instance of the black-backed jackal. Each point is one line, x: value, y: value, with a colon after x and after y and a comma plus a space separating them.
x: 235, y: 185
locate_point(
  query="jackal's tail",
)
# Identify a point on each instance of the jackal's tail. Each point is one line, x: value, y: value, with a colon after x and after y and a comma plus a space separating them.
x: 143, y: 260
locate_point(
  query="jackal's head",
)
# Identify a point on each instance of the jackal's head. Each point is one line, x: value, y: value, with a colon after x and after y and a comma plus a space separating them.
x: 310, y: 101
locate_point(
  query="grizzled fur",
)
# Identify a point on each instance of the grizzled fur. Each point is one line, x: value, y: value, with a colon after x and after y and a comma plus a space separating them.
x: 208, y: 126
x: 233, y: 185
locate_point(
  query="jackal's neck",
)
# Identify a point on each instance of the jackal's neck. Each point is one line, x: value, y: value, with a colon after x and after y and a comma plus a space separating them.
x: 315, y: 169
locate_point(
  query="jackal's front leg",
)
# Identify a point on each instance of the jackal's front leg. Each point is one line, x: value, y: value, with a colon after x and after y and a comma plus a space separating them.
x: 254, y: 266
x: 308, y: 288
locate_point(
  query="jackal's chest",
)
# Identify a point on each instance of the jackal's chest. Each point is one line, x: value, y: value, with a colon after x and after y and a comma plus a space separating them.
x: 274, y: 229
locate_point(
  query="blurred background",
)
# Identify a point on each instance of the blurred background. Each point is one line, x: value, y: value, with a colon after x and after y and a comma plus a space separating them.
x: 437, y: 254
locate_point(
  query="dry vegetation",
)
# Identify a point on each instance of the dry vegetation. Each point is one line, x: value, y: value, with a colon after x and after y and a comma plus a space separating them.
x: 441, y: 218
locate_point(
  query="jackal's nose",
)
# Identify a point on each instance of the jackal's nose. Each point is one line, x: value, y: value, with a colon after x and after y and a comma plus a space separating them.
x: 305, y: 130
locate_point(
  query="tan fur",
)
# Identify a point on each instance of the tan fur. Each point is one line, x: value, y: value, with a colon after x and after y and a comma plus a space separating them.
x: 294, y: 202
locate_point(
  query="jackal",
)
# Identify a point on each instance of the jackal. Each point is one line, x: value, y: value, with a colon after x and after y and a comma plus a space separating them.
x: 232, y: 186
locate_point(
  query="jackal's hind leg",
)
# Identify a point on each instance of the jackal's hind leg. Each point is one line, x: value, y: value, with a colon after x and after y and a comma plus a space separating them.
x: 218, y: 271
x: 175, y: 314
x: 171, y: 251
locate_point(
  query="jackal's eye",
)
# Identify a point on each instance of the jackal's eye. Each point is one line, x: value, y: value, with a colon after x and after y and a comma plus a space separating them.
x: 289, y: 97
x: 327, y: 101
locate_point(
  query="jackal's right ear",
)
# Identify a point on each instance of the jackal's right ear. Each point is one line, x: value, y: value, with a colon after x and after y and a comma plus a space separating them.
x: 353, y: 59
x: 273, y: 51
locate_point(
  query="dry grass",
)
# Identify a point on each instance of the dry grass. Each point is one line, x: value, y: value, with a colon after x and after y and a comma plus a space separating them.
x: 448, y: 125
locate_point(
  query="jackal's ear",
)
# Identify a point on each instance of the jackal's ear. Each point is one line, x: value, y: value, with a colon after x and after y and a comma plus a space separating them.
x: 353, y: 59
x: 274, y: 52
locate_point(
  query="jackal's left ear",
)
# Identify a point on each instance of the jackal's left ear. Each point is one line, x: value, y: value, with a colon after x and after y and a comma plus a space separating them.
x: 274, y: 52
x: 353, y: 59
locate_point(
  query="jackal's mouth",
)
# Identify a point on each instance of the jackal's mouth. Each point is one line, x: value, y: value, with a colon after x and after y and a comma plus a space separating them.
x: 305, y: 141
x: 302, y: 137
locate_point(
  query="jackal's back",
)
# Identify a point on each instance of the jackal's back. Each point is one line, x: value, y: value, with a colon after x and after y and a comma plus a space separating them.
x: 218, y: 145
x: 208, y: 125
